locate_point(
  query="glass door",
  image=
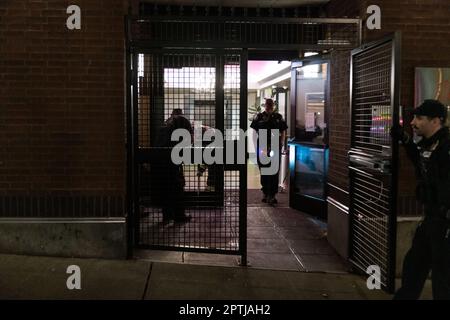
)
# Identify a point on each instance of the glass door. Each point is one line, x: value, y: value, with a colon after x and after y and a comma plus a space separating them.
x: 308, y: 147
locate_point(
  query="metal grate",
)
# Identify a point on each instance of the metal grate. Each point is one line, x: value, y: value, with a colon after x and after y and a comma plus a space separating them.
x: 207, y: 87
x: 370, y: 232
x: 215, y: 217
x: 372, y: 112
x: 373, y: 158
x: 245, y: 32
x: 232, y: 85
x: 61, y: 205
x: 154, y: 9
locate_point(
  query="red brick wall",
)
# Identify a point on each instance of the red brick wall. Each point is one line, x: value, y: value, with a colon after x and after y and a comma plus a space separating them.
x: 339, y: 118
x: 339, y: 113
x: 424, y: 25
x: 425, y: 43
x: 344, y: 8
x: 62, y: 98
x: 425, y: 36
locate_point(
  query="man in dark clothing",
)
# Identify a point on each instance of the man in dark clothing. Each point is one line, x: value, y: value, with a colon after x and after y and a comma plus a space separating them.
x: 269, y: 120
x: 431, y: 244
x: 170, y: 184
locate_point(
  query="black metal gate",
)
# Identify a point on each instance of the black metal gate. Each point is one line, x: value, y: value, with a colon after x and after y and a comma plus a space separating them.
x: 373, y: 157
x: 209, y: 86
x: 190, y: 67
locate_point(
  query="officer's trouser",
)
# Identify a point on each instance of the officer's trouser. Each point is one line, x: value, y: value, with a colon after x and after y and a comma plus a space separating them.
x: 269, y: 183
x: 430, y: 250
x: 173, y: 206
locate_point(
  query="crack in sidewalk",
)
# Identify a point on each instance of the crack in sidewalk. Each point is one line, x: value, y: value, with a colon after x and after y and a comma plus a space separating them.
x: 147, y: 281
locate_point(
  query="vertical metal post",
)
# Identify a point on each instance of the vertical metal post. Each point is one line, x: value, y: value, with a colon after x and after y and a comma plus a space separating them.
x: 220, y: 99
x: 395, y: 105
x: 360, y: 35
x: 134, y: 146
x: 350, y: 172
x: 243, y: 170
x: 129, y: 143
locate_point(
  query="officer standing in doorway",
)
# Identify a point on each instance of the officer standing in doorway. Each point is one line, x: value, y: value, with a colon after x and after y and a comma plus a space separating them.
x: 431, y: 244
x: 170, y: 177
x: 269, y: 120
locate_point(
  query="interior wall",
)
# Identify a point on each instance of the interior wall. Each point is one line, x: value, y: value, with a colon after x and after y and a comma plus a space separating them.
x: 251, y: 100
x: 305, y: 86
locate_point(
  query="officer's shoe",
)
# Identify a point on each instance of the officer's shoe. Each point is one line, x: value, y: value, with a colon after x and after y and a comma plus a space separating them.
x: 264, y: 199
x: 272, y: 201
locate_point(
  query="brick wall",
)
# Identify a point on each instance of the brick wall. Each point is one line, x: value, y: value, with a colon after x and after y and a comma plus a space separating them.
x: 424, y: 25
x: 339, y: 113
x: 425, y: 43
x: 339, y: 118
x: 61, y: 104
x: 344, y: 8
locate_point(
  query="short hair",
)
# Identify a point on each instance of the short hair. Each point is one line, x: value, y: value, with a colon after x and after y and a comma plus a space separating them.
x: 177, y: 112
x: 270, y: 102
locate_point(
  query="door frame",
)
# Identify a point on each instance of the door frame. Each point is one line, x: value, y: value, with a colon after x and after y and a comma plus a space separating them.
x: 315, y: 207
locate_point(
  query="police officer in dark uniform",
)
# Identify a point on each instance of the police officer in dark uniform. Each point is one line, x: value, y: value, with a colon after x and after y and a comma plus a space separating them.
x: 269, y: 119
x: 431, y: 244
x: 170, y: 184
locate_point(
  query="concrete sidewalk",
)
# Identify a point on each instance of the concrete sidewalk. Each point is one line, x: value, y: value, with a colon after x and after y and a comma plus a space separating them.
x: 25, y: 277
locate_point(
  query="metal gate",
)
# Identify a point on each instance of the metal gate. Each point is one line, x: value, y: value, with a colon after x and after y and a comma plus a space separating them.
x: 209, y: 86
x: 373, y: 157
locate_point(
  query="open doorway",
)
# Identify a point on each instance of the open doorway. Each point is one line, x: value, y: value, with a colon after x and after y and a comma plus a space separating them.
x: 267, y: 79
x: 286, y: 235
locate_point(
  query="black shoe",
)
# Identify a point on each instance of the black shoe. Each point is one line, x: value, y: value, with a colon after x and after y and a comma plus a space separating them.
x: 182, y: 219
x: 264, y: 199
x: 272, y: 201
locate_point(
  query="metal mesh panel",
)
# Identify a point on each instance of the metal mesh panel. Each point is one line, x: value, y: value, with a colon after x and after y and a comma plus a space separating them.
x: 372, y: 159
x: 61, y: 205
x: 214, y: 225
x: 209, y: 194
x: 172, y: 81
x: 372, y: 112
x: 246, y: 32
x: 232, y: 86
x: 370, y: 225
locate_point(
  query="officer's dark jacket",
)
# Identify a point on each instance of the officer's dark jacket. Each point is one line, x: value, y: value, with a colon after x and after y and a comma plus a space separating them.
x: 171, y: 124
x: 167, y: 177
x: 265, y: 121
x: 431, y: 158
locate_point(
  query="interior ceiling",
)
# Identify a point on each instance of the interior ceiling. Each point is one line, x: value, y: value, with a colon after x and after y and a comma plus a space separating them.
x: 259, y: 70
x: 241, y: 3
